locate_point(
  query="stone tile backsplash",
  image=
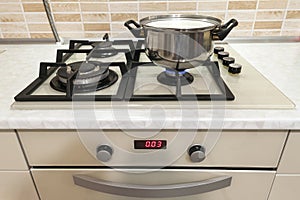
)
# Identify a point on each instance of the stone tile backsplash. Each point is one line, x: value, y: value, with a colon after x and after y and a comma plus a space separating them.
x: 93, y: 18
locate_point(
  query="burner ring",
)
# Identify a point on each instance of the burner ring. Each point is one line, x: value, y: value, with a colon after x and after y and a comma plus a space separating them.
x: 82, y: 88
x: 168, y: 79
x: 82, y: 81
x: 92, y: 71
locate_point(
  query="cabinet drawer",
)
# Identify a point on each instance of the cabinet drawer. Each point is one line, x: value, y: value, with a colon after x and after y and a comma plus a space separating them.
x: 290, y: 162
x: 16, y: 185
x: 286, y: 186
x: 232, y: 149
x: 58, y: 184
x: 11, y: 154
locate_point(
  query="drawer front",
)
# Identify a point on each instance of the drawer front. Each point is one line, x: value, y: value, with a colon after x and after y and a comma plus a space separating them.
x: 58, y: 184
x: 233, y: 149
x: 289, y: 162
x: 11, y: 154
x: 286, y: 186
x: 16, y: 185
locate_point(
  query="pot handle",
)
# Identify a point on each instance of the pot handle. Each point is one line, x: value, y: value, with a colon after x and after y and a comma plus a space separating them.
x: 224, y: 30
x: 137, y: 31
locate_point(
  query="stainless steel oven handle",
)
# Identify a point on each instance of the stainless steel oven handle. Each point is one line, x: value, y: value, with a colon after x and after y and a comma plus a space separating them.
x: 152, y: 191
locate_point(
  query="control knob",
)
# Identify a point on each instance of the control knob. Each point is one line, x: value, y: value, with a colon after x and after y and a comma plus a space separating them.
x: 104, y: 153
x: 218, y: 49
x: 222, y: 54
x: 235, y: 68
x: 196, y: 153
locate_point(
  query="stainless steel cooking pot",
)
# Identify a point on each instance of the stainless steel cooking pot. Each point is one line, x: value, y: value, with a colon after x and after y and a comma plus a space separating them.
x: 180, y: 41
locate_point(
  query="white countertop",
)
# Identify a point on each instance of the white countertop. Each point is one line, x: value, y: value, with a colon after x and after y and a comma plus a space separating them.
x: 279, y: 62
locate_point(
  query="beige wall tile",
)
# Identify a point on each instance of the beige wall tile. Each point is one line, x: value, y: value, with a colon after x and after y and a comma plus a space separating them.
x: 72, y: 35
x: 33, y: 7
x: 266, y: 33
x: 41, y: 35
x: 11, y: 18
x: 10, y: 1
x: 65, y: 7
x: 13, y: 27
x: 10, y: 7
x: 122, y: 17
x: 241, y: 15
x: 173, y: 6
x: 294, y: 4
x: 67, y: 17
x: 36, y: 17
x: 272, y: 4
x: 295, y: 24
x: 39, y: 28
x: 15, y: 35
x: 194, y: 12
x: 153, y: 6
x: 236, y: 33
x: 268, y: 25
x: 96, y: 27
x: 71, y: 27
x: 116, y: 26
x: 291, y: 33
x: 123, y: 7
x: 219, y: 15
x: 122, y: 34
x: 64, y: 0
x: 30, y: 1
x: 242, y: 5
x: 99, y: 34
x: 293, y: 14
x: 244, y: 25
x: 94, y: 1
x: 94, y: 7
x: 95, y: 17
x: 212, y: 5
x: 270, y: 15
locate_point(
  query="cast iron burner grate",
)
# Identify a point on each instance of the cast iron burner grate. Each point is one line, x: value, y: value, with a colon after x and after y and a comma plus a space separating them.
x: 213, y: 68
x: 127, y: 82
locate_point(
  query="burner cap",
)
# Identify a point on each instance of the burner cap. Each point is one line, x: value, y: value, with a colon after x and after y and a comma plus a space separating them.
x: 168, y: 77
x: 86, y: 67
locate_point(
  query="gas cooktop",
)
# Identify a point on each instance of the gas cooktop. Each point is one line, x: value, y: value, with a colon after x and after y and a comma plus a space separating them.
x: 108, y: 71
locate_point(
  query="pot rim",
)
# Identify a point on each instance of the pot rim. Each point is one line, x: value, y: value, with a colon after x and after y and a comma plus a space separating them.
x: 213, y: 20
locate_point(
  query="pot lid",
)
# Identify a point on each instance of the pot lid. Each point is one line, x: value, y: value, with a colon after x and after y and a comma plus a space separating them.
x: 181, y: 22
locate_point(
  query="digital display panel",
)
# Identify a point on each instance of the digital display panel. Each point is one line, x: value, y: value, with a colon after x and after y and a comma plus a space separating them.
x: 150, y: 144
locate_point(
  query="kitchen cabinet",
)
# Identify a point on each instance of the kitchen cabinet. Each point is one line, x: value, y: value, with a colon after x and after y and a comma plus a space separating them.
x: 57, y: 184
x: 250, y: 157
x: 233, y: 148
x: 287, y: 180
x: 15, y: 180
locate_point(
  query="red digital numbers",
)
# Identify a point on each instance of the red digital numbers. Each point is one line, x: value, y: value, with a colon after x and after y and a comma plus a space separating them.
x: 153, y: 144
x: 150, y: 144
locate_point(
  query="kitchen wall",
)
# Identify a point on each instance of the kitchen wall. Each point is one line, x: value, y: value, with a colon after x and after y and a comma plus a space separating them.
x: 93, y: 18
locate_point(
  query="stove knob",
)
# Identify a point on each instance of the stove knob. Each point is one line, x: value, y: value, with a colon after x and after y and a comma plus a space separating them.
x: 235, y: 68
x: 218, y: 49
x: 197, y: 153
x: 104, y: 153
x: 228, y: 60
x: 223, y: 54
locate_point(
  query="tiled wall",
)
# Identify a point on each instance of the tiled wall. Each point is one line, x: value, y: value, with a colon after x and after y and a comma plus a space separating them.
x: 93, y: 18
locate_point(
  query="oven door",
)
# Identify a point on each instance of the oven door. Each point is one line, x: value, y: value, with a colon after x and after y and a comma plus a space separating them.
x: 125, y: 184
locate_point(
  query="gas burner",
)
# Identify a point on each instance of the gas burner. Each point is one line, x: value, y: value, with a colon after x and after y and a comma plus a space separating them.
x: 91, y: 76
x: 168, y: 77
x: 103, y: 49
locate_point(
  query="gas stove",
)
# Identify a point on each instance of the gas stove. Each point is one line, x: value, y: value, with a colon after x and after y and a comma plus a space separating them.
x: 118, y: 71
